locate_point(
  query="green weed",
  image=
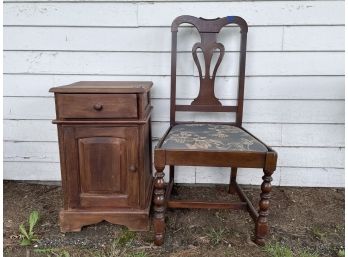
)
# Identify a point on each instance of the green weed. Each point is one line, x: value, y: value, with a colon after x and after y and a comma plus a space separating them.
x: 125, y: 239
x: 318, y: 233
x: 278, y: 250
x: 53, y: 252
x: 341, y: 253
x: 119, y: 246
x: 306, y: 253
x: 28, y: 237
x: 137, y: 254
x: 216, y: 236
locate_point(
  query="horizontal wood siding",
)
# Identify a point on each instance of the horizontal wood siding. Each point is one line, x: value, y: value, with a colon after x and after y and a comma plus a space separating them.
x: 294, y: 77
x: 292, y: 38
x: 260, y: 63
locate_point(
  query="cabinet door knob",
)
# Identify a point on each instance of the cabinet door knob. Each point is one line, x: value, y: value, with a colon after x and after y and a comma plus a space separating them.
x: 98, y: 107
x: 132, y: 168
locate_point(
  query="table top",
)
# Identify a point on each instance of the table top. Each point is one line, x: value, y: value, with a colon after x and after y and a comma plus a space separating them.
x: 104, y: 87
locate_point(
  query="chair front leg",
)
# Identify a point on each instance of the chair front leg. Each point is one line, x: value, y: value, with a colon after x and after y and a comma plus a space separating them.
x: 159, y: 206
x: 262, y: 227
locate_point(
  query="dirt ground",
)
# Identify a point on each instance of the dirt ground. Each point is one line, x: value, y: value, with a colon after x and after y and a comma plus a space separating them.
x: 307, y: 221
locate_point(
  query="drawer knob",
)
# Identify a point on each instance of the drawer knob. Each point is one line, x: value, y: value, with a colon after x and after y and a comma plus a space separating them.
x: 98, y: 107
x: 132, y: 168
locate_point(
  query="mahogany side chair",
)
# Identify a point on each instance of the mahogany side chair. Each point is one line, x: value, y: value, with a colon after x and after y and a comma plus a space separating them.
x: 214, y: 144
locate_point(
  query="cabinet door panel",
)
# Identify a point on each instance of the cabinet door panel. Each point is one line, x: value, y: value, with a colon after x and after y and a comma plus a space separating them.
x: 107, y: 163
x: 103, y: 164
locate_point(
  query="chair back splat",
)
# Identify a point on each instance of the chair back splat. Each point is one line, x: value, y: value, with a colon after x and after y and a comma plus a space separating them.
x: 206, y: 100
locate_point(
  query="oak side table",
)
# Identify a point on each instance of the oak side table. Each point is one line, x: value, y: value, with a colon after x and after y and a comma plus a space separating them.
x: 104, y: 134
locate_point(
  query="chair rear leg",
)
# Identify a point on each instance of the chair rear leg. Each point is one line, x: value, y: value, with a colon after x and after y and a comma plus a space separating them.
x: 159, y: 206
x: 171, y: 172
x: 232, y: 189
x: 261, y: 226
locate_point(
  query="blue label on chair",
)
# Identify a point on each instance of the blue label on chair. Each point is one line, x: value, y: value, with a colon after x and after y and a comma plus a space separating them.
x: 230, y: 18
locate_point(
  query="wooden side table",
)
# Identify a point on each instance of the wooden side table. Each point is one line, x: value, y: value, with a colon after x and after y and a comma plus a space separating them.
x: 104, y: 134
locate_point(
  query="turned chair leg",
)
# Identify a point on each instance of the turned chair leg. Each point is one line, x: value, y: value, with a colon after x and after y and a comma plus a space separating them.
x: 159, y: 206
x: 262, y: 227
x: 232, y: 188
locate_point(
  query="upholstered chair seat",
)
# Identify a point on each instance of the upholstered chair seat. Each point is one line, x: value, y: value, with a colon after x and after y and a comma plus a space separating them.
x: 211, y: 137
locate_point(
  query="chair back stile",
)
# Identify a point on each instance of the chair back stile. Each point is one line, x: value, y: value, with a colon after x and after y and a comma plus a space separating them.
x: 206, y: 100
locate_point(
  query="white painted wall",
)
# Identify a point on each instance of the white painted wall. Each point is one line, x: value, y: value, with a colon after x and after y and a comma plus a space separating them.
x: 294, y: 86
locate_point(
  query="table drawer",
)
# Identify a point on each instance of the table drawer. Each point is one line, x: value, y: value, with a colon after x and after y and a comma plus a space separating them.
x: 94, y: 106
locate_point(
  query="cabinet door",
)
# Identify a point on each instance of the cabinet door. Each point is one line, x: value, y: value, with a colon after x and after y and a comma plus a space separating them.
x: 107, y: 166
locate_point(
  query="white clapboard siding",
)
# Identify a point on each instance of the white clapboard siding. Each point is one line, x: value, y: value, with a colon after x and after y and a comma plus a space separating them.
x: 310, y: 177
x: 310, y: 157
x: 255, y: 13
x: 63, y: 14
x: 22, y: 130
x: 292, y: 38
x: 313, y: 38
x: 133, y: 39
x: 294, y: 86
x: 259, y: 63
x: 31, y: 151
x: 276, y: 111
x: 128, y: 1
x: 313, y: 135
x: 31, y: 171
x: 287, y: 156
x: 297, y: 87
x: 142, y: 14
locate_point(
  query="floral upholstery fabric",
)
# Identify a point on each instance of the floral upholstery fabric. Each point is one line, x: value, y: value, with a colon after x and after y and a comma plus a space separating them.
x: 211, y: 137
